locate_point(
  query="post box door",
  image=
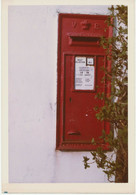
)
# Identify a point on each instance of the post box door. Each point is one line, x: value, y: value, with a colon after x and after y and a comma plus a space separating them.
x: 80, y: 62
x: 80, y: 122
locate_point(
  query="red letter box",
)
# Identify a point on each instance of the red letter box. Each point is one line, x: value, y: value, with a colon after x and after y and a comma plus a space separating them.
x: 80, y: 58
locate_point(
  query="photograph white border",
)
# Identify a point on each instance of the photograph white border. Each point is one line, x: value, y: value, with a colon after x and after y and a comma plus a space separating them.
x: 67, y: 187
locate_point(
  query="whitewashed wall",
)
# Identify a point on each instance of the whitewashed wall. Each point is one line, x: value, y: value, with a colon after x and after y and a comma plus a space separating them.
x: 32, y: 98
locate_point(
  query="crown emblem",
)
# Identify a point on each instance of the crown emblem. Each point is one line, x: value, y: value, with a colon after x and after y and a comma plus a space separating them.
x: 85, y: 25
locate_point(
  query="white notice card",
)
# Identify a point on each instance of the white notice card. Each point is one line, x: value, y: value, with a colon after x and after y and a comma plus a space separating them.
x: 84, y: 75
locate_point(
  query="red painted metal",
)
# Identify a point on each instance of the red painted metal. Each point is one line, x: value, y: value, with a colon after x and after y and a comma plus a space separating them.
x: 78, y: 35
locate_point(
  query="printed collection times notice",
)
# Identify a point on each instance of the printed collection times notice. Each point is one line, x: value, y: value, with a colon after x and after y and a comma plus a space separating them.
x: 84, y: 74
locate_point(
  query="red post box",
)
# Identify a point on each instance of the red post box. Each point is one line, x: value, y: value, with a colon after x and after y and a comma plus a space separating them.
x: 80, y: 58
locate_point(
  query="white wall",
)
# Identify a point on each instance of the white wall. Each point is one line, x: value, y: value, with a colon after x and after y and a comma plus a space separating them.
x: 32, y: 99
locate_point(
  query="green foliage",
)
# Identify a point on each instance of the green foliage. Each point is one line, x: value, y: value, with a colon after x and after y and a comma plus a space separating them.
x: 115, y: 108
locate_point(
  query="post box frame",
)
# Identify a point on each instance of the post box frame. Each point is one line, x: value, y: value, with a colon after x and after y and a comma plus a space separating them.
x: 61, y: 144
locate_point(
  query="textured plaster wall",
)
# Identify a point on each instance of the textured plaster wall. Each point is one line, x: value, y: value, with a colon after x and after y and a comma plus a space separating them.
x: 32, y: 98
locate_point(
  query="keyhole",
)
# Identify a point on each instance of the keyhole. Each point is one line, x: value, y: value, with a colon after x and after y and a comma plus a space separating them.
x: 70, y: 99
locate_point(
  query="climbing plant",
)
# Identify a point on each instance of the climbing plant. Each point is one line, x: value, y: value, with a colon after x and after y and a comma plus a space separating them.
x: 115, y: 109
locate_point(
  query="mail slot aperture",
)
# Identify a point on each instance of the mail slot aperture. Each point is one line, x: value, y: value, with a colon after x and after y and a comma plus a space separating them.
x: 83, y: 40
